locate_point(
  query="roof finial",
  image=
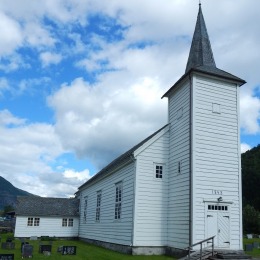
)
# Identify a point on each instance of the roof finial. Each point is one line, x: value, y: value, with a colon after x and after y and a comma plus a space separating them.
x: 199, y: 3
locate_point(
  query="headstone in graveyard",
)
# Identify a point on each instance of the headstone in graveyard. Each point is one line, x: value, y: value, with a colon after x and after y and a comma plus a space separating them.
x: 46, y: 248
x: 249, y: 247
x: 69, y: 250
x: 6, y: 256
x: 27, y: 250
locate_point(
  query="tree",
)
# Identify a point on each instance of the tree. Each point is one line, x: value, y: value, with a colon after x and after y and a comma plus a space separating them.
x: 7, y: 209
x: 251, y: 220
x: 251, y: 177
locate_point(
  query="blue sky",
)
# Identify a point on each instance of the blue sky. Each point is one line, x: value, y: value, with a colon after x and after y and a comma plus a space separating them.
x: 81, y: 80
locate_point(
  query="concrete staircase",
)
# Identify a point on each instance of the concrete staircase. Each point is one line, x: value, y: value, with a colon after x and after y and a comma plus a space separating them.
x: 230, y: 255
x: 206, y: 254
x: 217, y: 255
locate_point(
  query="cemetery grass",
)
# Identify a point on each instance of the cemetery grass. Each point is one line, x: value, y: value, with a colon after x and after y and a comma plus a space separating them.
x: 256, y: 251
x: 84, y: 251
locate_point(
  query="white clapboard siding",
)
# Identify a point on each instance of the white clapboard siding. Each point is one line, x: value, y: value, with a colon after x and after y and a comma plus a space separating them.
x: 178, y: 207
x: 216, y: 155
x: 108, y: 229
x: 49, y: 226
x: 151, y: 193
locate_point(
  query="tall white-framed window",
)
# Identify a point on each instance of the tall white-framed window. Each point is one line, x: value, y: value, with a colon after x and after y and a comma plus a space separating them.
x: 99, y: 194
x: 85, y: 209
x: 158, y: 168
x: 118, y: 200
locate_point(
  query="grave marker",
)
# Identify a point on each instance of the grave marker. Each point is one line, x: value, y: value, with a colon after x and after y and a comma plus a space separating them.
x: 6, y: 256
x: 69, y: 250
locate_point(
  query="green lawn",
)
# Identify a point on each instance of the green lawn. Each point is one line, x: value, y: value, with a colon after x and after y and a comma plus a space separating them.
x: 84, y: 251
x: 256, y: 251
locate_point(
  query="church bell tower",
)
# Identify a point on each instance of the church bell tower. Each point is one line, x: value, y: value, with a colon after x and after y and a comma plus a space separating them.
x: 205, y: 196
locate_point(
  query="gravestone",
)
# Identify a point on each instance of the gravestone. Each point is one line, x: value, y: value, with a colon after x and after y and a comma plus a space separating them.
x: 249, y: 247
x: 59, y: 249
x: 69, y: 250
x: 22, y: 244
x: 8, y: 245
x: 6, y: 256
x: 256, y: 245
x: 45, y: 248
x: 27, y: 250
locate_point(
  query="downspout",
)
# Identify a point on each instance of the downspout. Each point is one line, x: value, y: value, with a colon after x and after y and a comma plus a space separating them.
x: 134, y: 197
x: 191, y: 177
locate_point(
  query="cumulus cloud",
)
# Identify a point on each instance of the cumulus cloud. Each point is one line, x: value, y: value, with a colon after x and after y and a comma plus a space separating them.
x: 33, y: 147
x: 126, y: 55
x: 4, y: 85
x: 250, y: 113
x: 105, y: 119
x: 11, y: 36
x: 245, y: 147
x: 7, y: 119
x: 48, y: 58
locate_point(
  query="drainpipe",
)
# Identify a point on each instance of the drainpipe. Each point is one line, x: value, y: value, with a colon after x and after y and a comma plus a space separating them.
x: 191, y: 177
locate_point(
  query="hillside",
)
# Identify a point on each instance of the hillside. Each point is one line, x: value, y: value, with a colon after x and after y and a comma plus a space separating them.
x: 251, y: 177
x: 9, y: 193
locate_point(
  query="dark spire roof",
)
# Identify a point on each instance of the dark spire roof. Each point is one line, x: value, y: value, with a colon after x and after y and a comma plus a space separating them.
x: 201, y: 58
x: 200, y: 52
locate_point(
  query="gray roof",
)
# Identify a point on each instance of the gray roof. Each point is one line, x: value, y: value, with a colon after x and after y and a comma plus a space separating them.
x: 201, y: 57
x: 39, y: 206
x: 200, y: 52
x: 121, y: 159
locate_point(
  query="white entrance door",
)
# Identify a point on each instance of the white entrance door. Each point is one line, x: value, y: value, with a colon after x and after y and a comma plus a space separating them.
x: 218, y: 224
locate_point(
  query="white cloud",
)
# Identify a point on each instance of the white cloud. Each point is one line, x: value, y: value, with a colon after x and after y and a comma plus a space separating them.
x: 4, y: 85
x: 100, y: 117
x: 48, y: 58
x: 6, y: 119
x: 11, y: 36
x: 250, y: 113
x: 100, y: 120
x: 27, y: 153
x: 245, y: 147
x: 79, y: 176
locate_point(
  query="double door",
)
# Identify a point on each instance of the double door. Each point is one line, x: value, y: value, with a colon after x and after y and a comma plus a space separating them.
x: 218, y: 224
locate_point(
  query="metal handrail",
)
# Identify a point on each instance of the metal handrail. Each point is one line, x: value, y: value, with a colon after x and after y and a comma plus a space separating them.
x: 200, y: 243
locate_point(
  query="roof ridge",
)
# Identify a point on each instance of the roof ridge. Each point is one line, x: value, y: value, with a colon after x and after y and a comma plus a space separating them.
x: 121, y: 158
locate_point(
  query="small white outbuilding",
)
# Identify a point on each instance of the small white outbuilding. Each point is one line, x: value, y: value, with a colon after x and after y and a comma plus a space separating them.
x: 53, y: 217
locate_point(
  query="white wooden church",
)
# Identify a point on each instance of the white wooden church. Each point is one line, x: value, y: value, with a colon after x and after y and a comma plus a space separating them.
x: 183, y: 183
x: 180, y: 185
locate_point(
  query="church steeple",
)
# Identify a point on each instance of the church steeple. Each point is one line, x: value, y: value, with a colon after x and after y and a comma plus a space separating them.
x: 201, y: 58
x: 200, y: 52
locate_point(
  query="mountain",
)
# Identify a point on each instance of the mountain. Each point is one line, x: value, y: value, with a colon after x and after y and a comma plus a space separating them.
x: 9, y: 193
x: 250, y: 161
